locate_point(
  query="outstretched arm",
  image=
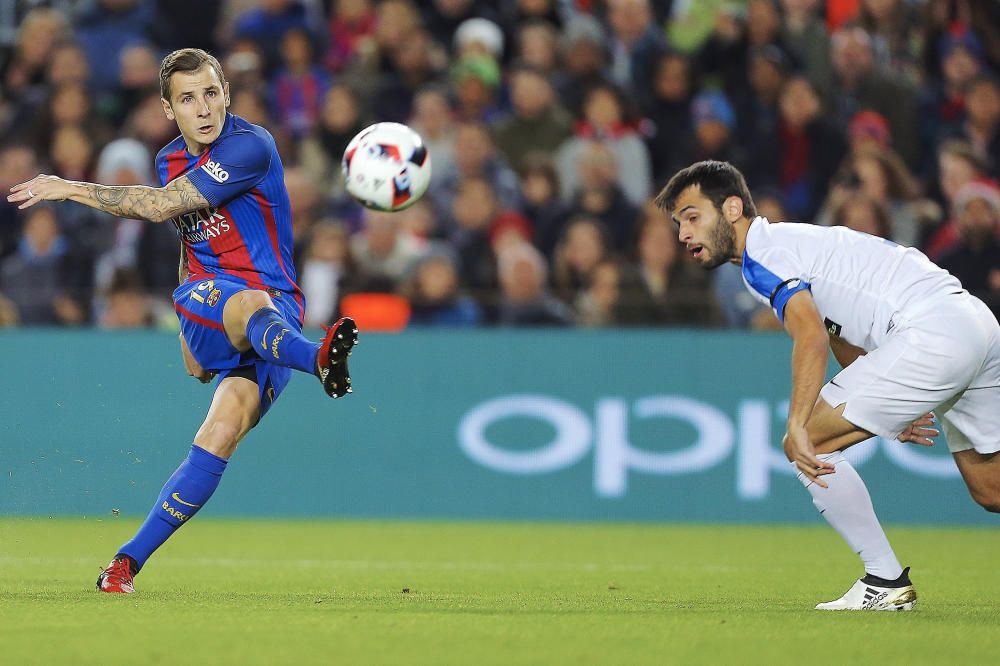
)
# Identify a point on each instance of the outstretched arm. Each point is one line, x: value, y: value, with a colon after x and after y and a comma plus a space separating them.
x: 155, y: 204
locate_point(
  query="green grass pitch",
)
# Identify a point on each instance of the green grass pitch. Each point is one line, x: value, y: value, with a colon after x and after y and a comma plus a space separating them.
x: 339, y: 592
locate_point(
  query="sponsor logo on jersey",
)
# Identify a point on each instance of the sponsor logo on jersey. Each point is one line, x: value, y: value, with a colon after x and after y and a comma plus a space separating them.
x: 215, y: 170
x: 832, y: 327
x: 201, y: 225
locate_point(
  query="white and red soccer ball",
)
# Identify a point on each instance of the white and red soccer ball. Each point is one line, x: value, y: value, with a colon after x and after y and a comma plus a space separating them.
x: 386, y: 167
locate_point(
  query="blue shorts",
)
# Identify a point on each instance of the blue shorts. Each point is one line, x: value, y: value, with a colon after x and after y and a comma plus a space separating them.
x: 199, y: 306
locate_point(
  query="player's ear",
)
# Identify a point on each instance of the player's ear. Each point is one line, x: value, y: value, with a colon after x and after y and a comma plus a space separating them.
x: 732, y: 208
x: 225, y: 92
x: 167, y: 109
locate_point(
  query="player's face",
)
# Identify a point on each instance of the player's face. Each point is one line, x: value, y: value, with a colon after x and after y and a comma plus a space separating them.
x: 706, y: 236
x: 198, y: 102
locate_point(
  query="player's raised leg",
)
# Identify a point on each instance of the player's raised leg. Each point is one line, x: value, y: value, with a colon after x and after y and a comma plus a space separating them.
x: 253, y: 322
x: 847, y: 506
x: 234, y: 411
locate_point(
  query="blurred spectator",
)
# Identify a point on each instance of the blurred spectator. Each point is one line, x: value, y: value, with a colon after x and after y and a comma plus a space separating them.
x: 432, y: 119
x: 895, y: 29
x: 599, y: 303
x: 538, y: 47
x: 244, y: 67
x: 298, y: 88
x: 322, y: 151
x: 757, y: 113
x: 382, y: 254
x: 139, y: 72
x: 671, y: 289
x: 981, y: 128
x: 714, y: 125
x: 435, y: 295
x: 46, y: 278
x: 538, y: 122
x: 958, y: 165
x: 808, y: 150
x: 72, y: 153
x: 126, y: 304
x: 418, y: 220
x: 68, y: 64
x: 531, y: 13
x: 326, y: 270
x: 606, y: 119
x: 477, y: 37
x: 524, y: 298
x: 305, y: 199
x: 18, y: 163
x: 147, y: 123
x: 635, y: 42
x: 863, y: 213
x: 475, y: 155
x: 150, y: 251
x: 443, y: 17
x: 669, y: 109
x: 40, y: 31
x: 543, y: 205
x: 805, y: 35
x: 9, y: 316
x: 412, y: 68
x: 476, y: 79
x: 600, y: 195
x: 974, y: 258
x: 68, y: 105
x: 859, y: 84
x: 105, y: 29
x: 186, y: 24
x: 351, y: 31
x: 725, y: 55
x: 942, y: 100
x: 880, y: 174
x: 472, y: 212
x: 867, y: 131
x: 583, y: 246
x: 267, y: 23
x: 584, y: 57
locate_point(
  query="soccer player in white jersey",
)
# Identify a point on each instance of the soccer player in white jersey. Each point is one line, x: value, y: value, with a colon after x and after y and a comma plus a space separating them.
x: 910, y: 340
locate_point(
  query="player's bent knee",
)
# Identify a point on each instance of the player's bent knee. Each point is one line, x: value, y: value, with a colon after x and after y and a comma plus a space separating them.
x: 988, y: 500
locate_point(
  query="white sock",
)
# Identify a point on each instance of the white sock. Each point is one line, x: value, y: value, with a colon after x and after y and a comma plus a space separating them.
x: 847, y: 506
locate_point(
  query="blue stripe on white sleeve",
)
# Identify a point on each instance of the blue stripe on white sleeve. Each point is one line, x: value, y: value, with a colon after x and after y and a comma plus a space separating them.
x: 770, y: 286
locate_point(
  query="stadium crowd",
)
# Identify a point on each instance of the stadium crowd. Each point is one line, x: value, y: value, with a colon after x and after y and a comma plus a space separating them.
x: 550, y: 123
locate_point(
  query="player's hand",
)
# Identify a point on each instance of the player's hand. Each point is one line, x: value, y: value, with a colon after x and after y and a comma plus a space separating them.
x: 800, y: 451
x: 40, y: 188
x: 920, y: 431
x: 192, y: 366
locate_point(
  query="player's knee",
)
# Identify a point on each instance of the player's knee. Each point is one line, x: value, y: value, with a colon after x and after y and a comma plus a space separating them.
x: 220, y: 437
x: 989, y: 500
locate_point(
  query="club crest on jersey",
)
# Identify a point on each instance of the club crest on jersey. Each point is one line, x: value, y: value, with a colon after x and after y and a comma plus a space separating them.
x: 213, y: 297
x: 215, y: 170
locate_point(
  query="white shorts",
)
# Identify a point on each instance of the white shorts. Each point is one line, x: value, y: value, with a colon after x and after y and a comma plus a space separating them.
x: 945, y: 360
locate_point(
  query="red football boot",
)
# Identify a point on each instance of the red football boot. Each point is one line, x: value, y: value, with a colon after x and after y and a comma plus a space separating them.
x: 331, y: 361
x: 117, y: 578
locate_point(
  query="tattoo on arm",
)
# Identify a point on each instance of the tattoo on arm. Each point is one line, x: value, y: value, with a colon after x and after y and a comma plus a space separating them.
x: 155, y: 204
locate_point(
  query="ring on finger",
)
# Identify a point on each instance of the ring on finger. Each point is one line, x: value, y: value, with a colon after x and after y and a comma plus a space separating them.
x: 30, y: 193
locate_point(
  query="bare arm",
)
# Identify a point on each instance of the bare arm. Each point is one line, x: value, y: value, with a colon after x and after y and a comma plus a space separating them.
x: 844, y: 351
x: 809, y: 360
x: 155, y: 204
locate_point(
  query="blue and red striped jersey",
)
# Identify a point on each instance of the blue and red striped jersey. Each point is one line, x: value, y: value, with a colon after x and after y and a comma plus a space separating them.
x: 246, y: 234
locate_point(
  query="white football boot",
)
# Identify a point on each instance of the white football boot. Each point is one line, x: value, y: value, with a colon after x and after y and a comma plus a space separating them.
x: 871, y: 594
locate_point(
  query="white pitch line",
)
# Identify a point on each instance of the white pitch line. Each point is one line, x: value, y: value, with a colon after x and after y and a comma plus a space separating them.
x: 348, y: 564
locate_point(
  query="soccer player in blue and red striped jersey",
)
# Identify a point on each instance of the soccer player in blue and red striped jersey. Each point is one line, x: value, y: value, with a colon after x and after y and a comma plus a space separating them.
x: 240, y: 309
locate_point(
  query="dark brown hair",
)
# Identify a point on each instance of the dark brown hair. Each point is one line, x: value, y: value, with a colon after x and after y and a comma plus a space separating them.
x: 186, y: 60
x: 717, y: 180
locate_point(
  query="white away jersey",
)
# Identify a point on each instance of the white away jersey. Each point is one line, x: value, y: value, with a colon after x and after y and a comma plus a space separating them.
x: 861, y: 284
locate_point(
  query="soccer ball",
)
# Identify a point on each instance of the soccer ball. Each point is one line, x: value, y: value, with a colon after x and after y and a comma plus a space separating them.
x: 386, y: 167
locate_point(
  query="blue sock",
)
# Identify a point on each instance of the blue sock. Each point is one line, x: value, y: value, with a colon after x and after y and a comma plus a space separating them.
x: 277, y: 341
x: 184, y: 493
